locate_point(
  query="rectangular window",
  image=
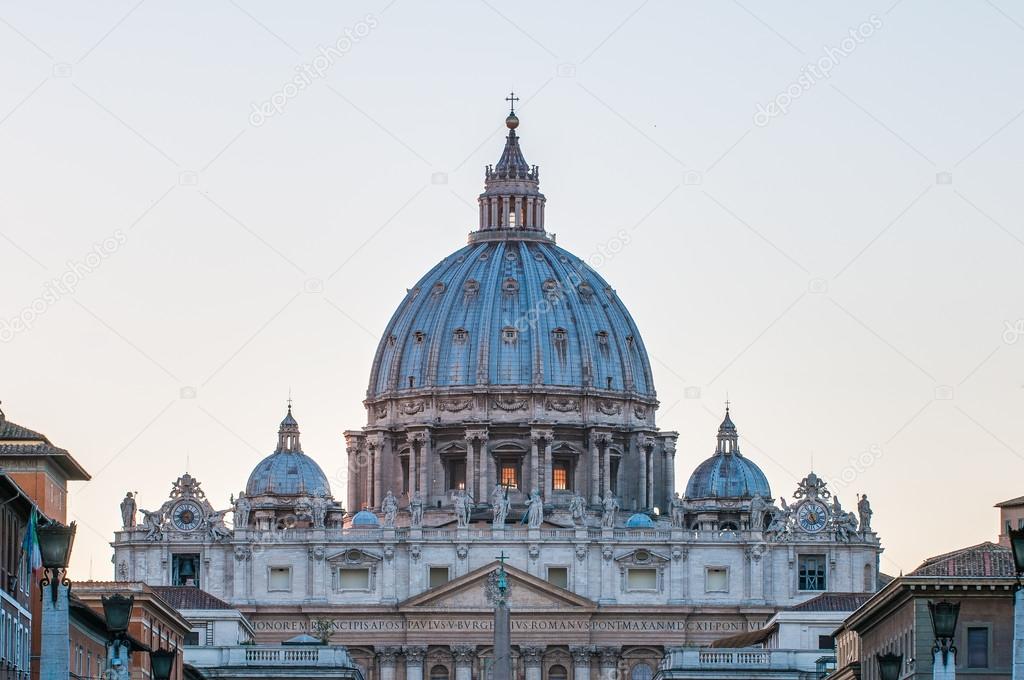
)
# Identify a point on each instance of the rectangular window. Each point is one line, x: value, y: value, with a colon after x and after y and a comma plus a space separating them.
x: 811, y: 572
x: 185, y: 570
x: 192, y: 638
x: 510, y: 475
x: 977, y: 647
x: 558, y: 576
x: 642, y: 579
x: 438, y: 576
x: 280, y: 578
x: 457, y: 474
x: 716, y: 580
x: 560, y: 477
x: 826, y: 642
x: 354, y: 579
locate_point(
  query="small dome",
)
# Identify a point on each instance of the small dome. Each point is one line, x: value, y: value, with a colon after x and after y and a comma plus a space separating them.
x: 727, y: 474
x: 288, y: 471
x: 365, y: 519
x: 639, y: 521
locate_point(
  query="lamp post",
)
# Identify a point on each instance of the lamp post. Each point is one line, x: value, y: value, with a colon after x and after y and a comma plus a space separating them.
x: 889, y: 666
x: 55, y: 542
x: 161, y: 663
x: 117, y: 611
x: 1017, y: 546
x: 944, y: 615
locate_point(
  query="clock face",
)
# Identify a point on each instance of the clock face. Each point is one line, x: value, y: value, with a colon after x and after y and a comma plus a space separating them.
x: 812, y: 516
x: 187, y: 515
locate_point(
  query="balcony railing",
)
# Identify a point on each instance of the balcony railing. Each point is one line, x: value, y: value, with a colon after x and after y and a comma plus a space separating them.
x: 708, y: 659
x: 242, y: 656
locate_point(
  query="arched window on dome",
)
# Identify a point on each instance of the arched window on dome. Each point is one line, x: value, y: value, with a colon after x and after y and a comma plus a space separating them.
x: 641, y: 671
x: 869, y: 579
x: 459, y: 335
x: 509, y: 334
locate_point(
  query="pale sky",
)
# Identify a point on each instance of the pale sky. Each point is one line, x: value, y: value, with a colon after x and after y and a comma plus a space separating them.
x: 848, y: 271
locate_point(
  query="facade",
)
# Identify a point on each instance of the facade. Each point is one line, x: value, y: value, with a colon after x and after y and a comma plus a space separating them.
x: 42, y: 471
x: 510, y: 416
x: 981, y: 578
x: 15, y: 582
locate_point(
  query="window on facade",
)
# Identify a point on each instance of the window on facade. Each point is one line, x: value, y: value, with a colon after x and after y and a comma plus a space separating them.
x: 192, y: 638
x: 826, y: 642
x: 977, y: 647
x: 185, y: 570
x: 354, y: 579
x: 641, y: 671
x: 457, y: 474
x: 613, y: 472
x: 642, y: 579
x: 438, y: 576
x: 811, y: 572
x: 716, y: 580
x: 558, y: 672
x: 439, y: 673
x: 869, y: 579
x: 405, y: 474
x: 510, y: 475
x: 558, y: 576
x: 280, y: 578
x: 560, y: 476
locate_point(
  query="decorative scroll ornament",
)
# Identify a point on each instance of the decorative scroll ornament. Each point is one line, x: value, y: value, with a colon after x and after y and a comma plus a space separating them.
x: 812, y: 488
x: 510, y: 404
x: 609, y: 408
x: 640, y: 411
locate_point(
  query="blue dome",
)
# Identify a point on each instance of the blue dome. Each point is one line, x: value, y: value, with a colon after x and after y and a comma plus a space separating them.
x: 727, y: 474
x: 639, y: 521
x: 516, y: 311
x: 365, y: 518
x: 288, y: 473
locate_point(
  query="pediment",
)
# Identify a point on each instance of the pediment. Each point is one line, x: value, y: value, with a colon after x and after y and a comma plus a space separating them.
x: 354, y: 556
x: 468, y: 593
x: 642, y: 557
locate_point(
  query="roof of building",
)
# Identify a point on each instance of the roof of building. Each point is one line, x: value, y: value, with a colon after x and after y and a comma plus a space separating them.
x: 728, y: 474
x: 977, y: 561
x: 639, y: 521
x: 832, y: 602
x: 1013, y: 502
x: 752, y: 638
x: 365, y: 518
x: 189, y: 597
x: 19, y: 441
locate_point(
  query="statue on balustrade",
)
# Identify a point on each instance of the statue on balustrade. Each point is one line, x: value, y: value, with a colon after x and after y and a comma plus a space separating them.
x: 535, y: 510
x: 758, y: 507
x: 416, y: 510
x: 864, y: 510
x: 578, y: 510
x: 242, y: 508
x: 500, y: 505
x: 677, y: 511
x: 461, y: 509
x: 319, y: 508
x: 610, y: 505
x: 390, y: 508
x: 128, y: 511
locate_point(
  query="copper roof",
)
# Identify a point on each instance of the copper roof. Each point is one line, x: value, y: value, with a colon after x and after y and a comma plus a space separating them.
x: 983, y: 560
x: 741, y: 640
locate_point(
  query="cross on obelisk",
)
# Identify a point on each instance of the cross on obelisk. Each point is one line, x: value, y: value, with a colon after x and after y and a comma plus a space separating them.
x: 502, y: 626
x: 512, y: 99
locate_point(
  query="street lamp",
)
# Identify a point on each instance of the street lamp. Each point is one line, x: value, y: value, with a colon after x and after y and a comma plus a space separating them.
x: 889, y: 666
x: 944, y: 615
x: 161, y: 662
x: 55, y: 542
x: 117, y: 612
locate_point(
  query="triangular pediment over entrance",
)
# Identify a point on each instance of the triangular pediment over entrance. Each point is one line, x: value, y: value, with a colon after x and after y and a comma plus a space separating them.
x: 468, y: 593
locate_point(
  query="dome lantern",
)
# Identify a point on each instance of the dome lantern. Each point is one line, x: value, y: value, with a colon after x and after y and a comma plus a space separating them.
x: 288, y: 471
x: 727, y: 474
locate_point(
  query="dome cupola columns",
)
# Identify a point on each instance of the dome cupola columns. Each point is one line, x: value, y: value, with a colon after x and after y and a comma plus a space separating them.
x: 511, y: 204
x: 728, y: 439
x: 288, y: 433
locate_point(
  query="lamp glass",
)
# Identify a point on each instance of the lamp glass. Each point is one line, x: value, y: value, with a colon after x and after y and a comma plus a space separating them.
x: 944, y: 616
x: 55, y: 542
x: 889, y: 666
x: 117, y: 610
x: 1017, y: 545
x: 161, y: 662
